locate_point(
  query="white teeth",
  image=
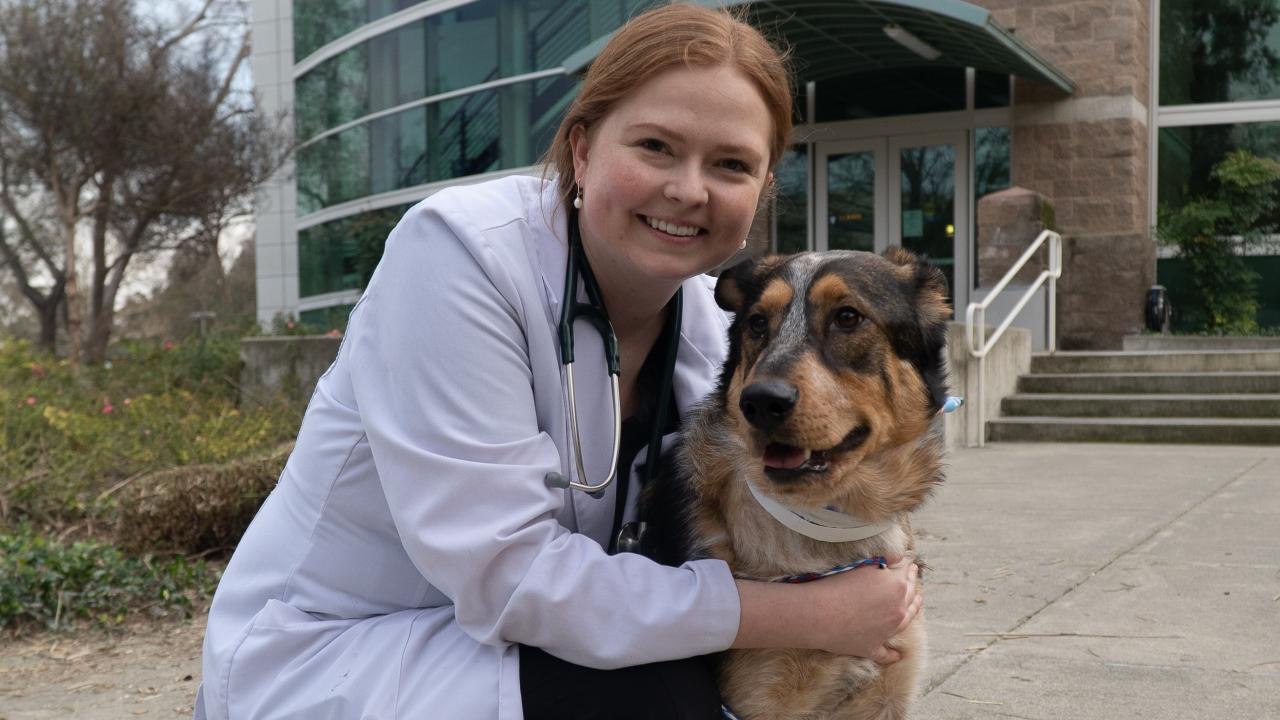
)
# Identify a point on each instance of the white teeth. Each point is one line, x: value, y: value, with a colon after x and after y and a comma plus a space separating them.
x: 666, y: 227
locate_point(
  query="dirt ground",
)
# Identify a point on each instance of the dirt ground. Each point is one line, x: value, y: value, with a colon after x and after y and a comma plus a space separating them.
x: 144, y: 670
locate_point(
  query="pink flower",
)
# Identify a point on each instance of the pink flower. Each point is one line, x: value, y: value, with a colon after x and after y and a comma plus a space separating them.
x: 31, y: 400
x: 168, y: 345
x: 290, y: 325
x: 127, y: 402
x: 106, y: 409
x: 335, y: 333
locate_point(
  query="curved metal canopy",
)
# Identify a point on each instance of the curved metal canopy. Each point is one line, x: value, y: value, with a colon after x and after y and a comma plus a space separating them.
x: 834, y: 38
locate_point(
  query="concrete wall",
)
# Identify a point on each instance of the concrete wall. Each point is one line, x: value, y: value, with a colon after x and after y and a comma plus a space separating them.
x: 271, y: 365
x: 1010, y: 358
x: 276, y: 243
x: 1087, y: 153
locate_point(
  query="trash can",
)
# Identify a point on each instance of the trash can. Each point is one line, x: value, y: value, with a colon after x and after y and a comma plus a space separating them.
x: 1158, y: 309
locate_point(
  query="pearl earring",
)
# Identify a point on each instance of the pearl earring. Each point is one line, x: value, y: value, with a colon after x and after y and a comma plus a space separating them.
x: 743, y: 246
x: 577, y: 201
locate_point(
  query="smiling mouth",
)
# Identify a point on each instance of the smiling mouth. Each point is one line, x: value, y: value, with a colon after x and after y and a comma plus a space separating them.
x: 788, y: 462
x: 672, y: 229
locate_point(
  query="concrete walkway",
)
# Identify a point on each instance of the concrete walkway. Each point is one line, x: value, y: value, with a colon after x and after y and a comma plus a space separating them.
x: 1104, y: 581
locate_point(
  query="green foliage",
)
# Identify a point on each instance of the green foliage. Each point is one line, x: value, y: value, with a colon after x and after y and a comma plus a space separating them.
x: 1206, y: 231
x: 69, y: 438
x: 288, y: 325
x: 55, y: 585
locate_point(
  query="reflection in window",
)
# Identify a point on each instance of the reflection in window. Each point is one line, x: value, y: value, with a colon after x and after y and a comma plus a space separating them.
x: 791, y: 206
x: 342, y: 255
x: 498, y: 129
x: 317, y: 23
x: 990, y: 174
x: 1188, y: 154
x: 1219, y: 51
x: 449, y: 51
x: 929, y: 204
x: 851, y: 201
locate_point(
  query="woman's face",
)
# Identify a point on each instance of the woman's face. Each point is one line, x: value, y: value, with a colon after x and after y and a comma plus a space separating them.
x: 672, y: 176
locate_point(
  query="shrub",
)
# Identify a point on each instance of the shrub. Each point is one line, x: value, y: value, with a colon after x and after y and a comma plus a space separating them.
x: 55, y: 585
x: 194, y: 508
x: 69, y: 441
x: 1206, y: 231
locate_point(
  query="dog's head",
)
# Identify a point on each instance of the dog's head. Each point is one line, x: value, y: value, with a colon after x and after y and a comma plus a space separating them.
x: 835, y: 359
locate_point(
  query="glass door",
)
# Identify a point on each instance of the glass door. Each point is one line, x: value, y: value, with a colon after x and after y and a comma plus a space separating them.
x: 851, y: 191
x: 929, y: 203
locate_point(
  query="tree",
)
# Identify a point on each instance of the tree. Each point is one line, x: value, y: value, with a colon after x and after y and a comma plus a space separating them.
x: 123, y: 135
x: 1207, y: 231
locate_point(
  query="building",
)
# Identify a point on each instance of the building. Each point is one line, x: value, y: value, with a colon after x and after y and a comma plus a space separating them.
x: 910, y: 113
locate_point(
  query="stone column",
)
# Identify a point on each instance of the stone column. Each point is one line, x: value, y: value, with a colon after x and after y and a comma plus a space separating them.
x: 1008, y: 221
x: 1087, y: 153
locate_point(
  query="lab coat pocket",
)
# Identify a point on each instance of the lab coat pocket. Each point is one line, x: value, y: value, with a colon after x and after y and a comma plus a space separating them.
x: 285, y: 667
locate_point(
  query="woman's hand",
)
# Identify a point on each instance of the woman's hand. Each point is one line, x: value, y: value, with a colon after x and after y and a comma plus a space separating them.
x: 862, y: 609
x: 853, y: 613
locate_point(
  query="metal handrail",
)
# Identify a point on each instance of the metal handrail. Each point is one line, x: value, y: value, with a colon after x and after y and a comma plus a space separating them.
x: 978, y: 310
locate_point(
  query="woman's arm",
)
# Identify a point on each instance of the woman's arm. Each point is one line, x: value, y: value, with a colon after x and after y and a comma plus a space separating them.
x: 853, y: 613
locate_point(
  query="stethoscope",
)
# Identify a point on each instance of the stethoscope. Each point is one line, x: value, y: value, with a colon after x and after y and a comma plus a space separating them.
x: 594, y: 312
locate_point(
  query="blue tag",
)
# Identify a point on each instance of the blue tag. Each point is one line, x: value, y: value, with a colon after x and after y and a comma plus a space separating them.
x: 952, y: 404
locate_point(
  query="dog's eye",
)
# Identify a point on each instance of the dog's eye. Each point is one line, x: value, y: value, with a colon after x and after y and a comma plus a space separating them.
x: 846, y: 318
x: 758, y: 325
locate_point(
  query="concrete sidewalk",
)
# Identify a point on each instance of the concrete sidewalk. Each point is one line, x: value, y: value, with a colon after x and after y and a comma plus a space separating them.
x: 1104, y: 581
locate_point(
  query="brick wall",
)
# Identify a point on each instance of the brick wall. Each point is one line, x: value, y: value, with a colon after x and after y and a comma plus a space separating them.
x: 1087, y: 153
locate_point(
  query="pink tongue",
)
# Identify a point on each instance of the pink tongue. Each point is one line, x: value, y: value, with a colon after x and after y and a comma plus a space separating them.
x: 787, y: 457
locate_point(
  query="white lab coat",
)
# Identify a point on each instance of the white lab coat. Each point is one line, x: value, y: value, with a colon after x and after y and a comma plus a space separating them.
x: 411, y: 540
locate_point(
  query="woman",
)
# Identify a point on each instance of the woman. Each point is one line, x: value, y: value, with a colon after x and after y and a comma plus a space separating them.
x: 414, y: 561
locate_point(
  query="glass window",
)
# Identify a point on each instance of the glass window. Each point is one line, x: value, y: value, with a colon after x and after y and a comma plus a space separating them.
x: 330, y: 318
x: 1218, y: 51
x: 496, y: 129
x: 449, y: 51
x: 791, y: 206
x: 990, y: 90
x: 317, y: 23
x: 897, y: 91
x: 342, y: 255
x: 851, y: 201
x: 991, y: 151
x: 1187, y: 154
x: 991, y: 160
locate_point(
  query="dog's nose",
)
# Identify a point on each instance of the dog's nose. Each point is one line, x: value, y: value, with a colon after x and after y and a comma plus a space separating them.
x: 766, y: 404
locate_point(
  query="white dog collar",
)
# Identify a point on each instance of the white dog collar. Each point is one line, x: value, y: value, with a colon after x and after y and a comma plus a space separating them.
x: 825, y: 525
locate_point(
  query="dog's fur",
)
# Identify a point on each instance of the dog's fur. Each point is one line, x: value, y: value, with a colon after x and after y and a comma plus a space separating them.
x: 869, y: 384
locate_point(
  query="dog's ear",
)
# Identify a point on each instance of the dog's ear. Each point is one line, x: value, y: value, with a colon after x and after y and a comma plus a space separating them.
x: 742, y: 281
x: 929, y: 286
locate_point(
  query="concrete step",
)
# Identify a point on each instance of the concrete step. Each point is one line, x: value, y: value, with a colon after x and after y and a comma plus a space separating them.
x: 1199, y: 342
x: 1156, y: 361
x: 1200, y: 383
x: 1144, y: 406
x: 1206, y: 431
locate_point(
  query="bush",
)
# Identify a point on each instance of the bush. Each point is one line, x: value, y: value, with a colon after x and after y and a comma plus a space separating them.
x: 1207, y: 230
x: 69, y: 441
x: 194, y: 508
x: 54, y: 585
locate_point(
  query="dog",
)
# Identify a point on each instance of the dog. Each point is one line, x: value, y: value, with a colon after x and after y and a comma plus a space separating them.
x: 821, y: 421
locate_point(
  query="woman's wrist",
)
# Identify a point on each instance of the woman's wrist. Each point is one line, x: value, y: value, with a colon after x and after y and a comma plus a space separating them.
x: 778, y: 616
